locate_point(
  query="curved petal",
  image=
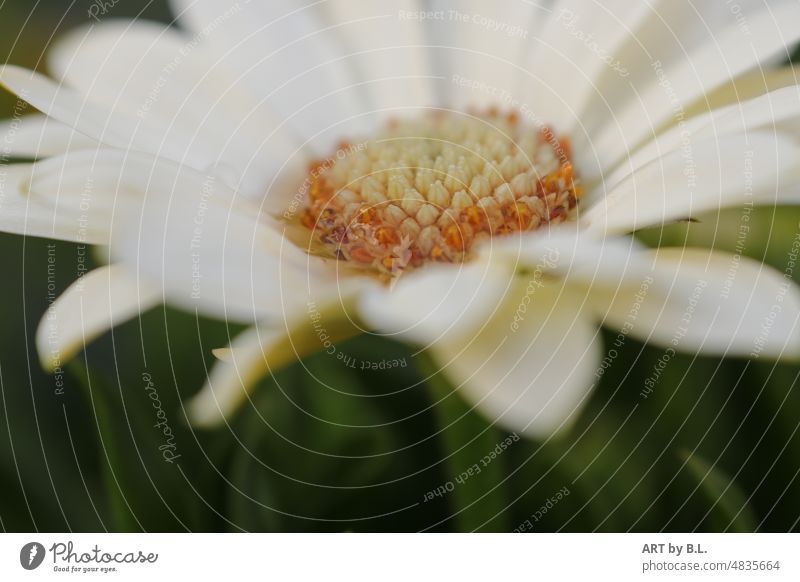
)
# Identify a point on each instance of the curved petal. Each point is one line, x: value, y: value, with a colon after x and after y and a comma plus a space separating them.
x: 520, y: 347
x: 745, y: 88
x: 674, y: 32
x: 708, y: 302
x: 774, y: 112
x: 756, y: 168
x: 98, y: 301
x: 263, y: 350
x: 230, y: 381
x: 438, y: 301
x: 579, y: 43
x: 669, y: 87
x: 688, y: 299
x: 536, y: 377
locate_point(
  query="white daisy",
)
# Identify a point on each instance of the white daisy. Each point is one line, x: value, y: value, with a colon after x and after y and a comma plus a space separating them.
x: 462, y: 176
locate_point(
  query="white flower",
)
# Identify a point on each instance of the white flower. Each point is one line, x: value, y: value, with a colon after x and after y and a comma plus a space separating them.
x: 185, y: 153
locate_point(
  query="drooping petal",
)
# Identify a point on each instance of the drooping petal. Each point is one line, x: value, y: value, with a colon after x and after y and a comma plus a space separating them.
x: 693, y: 300
x: 263, y: 350
x: 230, y: 381
x: 521, y: 352
x: 96, y: 302
x: 708, y: 302
x: 534, y: 377
x: 438, y: 301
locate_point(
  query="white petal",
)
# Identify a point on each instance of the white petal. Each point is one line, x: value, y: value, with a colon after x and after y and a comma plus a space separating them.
x: 438, y: 301
x: 71, y: 108
x: 777, y: 112
x: 200, y: 243
x: 648, y: 293
x: 745, y: 88
x: 96, y: 302
x: 85, y: 195
x: 578, y: 44
x: 673, y: 32
x: 533, y: 380
x: 170, y: 83
x: 386, y: 50
x: 757, y: 168
x: 19, y: 214
x: 35, y: 136
x: 477, y: 48
x: 286, y: 55
x: 710, y: 302
x: 229, y: 382
x: 570, y: 254
x: 213, y: 250
x: 671, y: 87
x: 67, y: 197
x: 263, y: 350
x: 523, y: 353
x: 592, y: 56
x: 139, y: 87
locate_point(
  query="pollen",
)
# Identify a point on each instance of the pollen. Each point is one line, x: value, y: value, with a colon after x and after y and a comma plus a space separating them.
x: 428, y: 189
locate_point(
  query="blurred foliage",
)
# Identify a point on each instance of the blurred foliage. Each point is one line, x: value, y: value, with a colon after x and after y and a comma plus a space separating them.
x: 324, y: 447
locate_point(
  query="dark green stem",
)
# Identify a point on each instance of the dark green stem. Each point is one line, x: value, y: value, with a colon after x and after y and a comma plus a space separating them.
x: 120, y: 511
x: 468, y: 441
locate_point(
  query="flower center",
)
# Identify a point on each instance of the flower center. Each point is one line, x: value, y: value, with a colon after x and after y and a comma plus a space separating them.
x: 429, y: 189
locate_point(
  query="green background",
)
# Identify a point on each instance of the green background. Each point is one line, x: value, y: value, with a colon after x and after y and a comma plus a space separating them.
x: 715, y: 447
